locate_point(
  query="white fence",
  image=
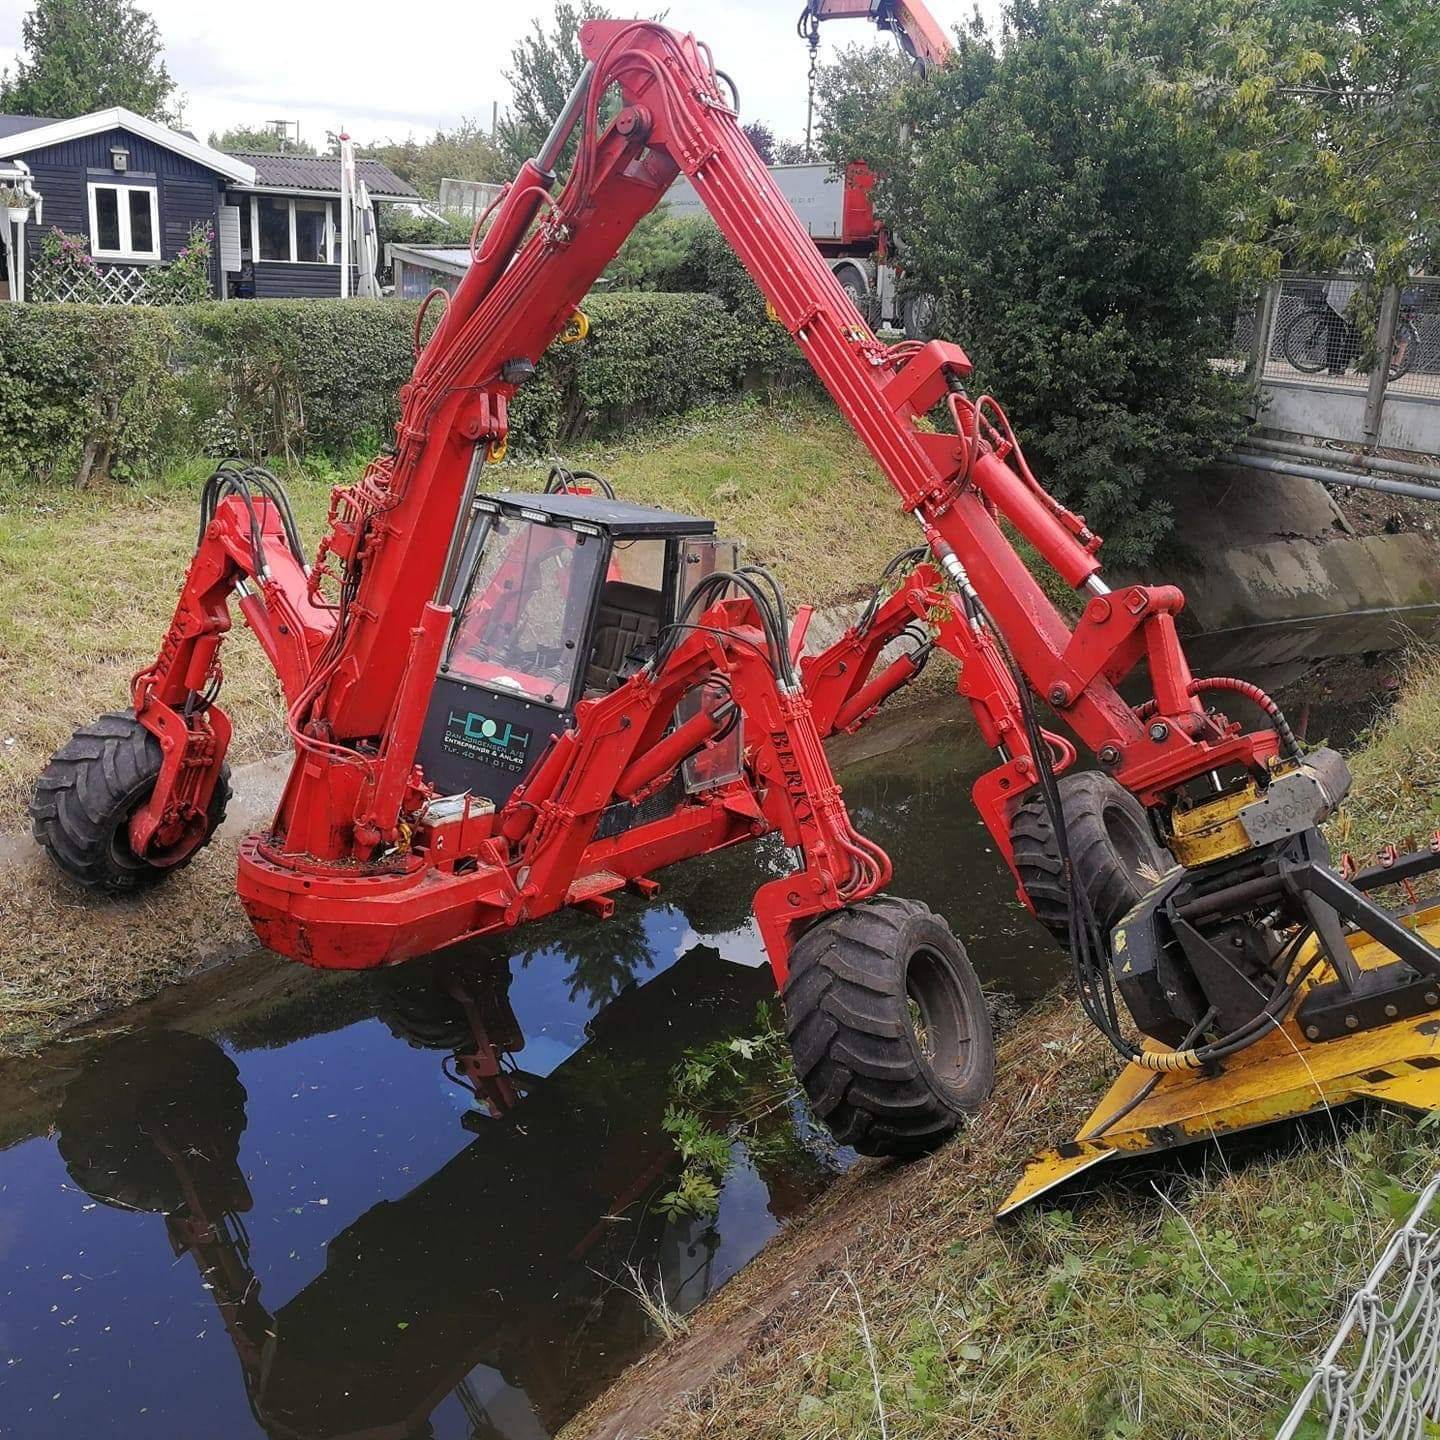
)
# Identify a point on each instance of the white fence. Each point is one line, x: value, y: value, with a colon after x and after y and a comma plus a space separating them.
x: 100, y: 285
x: 1380, y: 1378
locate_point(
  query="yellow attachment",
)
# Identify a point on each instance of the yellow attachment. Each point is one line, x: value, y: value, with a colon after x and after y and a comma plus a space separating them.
x: 1281, y: 1076
x: 771, y: 313
x: 499, y: 448
x: 1211, y: 830
x: 576, y: 330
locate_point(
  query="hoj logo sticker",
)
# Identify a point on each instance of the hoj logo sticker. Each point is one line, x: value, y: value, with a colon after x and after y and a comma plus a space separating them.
x: 477, y: 736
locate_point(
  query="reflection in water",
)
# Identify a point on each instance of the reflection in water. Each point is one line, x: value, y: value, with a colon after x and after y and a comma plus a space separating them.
x: 408, y: 1204
x: 497, y: 1278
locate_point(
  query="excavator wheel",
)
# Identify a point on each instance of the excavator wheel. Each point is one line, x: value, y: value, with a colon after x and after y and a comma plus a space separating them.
x: 86, y: 795
x: 888, y: 1027
x: 1112, y: 848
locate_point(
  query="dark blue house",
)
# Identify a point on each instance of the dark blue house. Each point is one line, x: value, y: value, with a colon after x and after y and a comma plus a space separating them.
x: 135, y: 189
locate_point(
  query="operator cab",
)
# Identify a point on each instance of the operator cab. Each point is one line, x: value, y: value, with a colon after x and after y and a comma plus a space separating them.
x: 557, y: 598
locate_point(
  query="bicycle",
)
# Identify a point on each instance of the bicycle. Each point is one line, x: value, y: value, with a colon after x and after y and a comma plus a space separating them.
x: 1307, y: 344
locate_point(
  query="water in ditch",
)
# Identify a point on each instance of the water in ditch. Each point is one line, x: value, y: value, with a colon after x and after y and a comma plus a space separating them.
x: 415, y: 1203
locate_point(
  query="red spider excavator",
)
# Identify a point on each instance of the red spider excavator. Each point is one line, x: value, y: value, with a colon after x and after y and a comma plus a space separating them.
x: 504, y: 704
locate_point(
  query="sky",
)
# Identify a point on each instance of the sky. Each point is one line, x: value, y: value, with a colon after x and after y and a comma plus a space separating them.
x: 388, y: 70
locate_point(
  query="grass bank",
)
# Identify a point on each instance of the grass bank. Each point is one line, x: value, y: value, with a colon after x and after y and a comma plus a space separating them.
x: 88, y: 581
x: 1178, y: 1298
x: 87, y: 586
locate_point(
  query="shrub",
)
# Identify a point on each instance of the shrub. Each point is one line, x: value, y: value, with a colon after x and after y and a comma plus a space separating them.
x: 278, y: 377
x: 186, y: 279
x: 647, y: 356
x: 684, y: 253
x: 90, y: 391
x: 86, y: 392
x: 1059, y: 210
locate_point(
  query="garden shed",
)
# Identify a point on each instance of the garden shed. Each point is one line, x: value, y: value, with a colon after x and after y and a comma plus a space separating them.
x: 131, y: 196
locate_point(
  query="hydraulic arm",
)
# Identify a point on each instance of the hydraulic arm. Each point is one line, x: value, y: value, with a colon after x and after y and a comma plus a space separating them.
x: 1186, y: 873
x: 908, y: 20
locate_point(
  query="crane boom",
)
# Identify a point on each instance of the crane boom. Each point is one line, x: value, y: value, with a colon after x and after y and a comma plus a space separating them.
x: 919, y: 33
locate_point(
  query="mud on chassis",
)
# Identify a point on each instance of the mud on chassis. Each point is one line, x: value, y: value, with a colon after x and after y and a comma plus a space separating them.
x: 1185, y: 875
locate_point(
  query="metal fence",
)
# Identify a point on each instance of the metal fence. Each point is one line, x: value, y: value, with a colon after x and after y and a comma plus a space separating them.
x: 1336, y: 357
x: 1380, y: 1378
x: 1335, y: 329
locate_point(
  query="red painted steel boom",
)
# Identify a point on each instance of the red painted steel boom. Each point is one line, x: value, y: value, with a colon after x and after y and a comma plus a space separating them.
x: 914, y: 26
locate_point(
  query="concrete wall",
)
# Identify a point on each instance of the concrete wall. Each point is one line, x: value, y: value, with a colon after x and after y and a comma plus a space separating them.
x: 1407, y: 422
x: 1272, y: 575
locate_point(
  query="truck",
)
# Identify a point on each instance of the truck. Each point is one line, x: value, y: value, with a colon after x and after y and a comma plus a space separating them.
x: 834, y: 207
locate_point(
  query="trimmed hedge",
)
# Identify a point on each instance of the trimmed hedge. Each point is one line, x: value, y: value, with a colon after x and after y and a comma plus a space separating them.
x: 85, y: 391
x: 91, y: 391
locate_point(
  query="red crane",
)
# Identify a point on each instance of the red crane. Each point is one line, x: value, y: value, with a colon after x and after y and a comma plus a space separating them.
x: 920, y: 35
x: 586, y: 711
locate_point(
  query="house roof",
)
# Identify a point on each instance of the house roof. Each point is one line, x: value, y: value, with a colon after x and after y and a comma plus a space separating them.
x: 19, y: 124
x: 44, y: 133
x: 322, y: 173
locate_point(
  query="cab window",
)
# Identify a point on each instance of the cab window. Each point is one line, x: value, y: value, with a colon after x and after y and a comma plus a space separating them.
x: 523, y: 619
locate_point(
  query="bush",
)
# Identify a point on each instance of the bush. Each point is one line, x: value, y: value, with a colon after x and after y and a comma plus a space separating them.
x: 648, y: 356
x: 1059, y: 210
x: 86, y: 392
x: 279, y: 377
x: 89, y: 391
x: 684, y: 253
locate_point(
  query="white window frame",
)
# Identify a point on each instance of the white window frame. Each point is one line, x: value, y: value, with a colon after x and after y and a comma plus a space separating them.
x: 331, y: 232
x: 126, y: 250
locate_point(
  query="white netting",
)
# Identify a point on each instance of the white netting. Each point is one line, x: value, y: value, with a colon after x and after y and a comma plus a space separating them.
x: 99, y: 285
x: 1380, y: 1378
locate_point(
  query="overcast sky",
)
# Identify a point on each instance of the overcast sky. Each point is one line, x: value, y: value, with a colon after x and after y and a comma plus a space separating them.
x: 388, y: 70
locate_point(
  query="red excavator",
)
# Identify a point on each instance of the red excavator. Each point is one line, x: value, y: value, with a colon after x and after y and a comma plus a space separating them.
x: 503, y: 704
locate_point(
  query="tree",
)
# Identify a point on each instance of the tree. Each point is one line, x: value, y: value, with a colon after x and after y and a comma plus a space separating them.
x: 258, y: 141
x: 1331, y: 111
x: 544, y: 68
x: 1057, y: 208
x: 465, y: 153
x: 770, y: 149
x: 762, y: 137
x: 85, y: 55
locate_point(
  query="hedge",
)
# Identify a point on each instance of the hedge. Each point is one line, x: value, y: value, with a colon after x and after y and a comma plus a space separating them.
x: 91, y: 391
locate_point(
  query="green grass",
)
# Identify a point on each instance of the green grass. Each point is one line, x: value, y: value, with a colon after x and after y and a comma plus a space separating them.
x: 88, y: 581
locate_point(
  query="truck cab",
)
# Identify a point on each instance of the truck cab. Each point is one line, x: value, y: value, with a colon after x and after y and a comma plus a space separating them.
x: 557, y: 598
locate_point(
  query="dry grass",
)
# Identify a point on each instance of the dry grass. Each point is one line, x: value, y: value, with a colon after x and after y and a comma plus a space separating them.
x: 70, y: 955
x: 87, y: 587
x: 1396, y: 767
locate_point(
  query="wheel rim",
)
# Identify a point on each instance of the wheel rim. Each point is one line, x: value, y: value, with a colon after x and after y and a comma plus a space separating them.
x: 939, y: 1021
